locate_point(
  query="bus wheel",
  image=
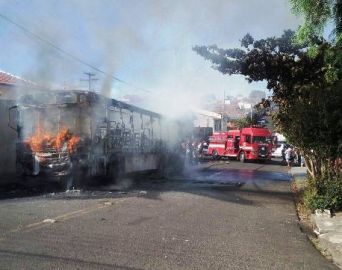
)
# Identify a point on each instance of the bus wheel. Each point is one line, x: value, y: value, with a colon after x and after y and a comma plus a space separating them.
x: 215, y: 155
x: 242, y: 157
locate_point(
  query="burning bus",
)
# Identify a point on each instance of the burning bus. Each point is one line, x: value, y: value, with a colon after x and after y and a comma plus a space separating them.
x: 71, y: 136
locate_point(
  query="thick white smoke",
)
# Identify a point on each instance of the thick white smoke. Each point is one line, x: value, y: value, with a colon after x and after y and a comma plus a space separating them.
x: 145, y: 43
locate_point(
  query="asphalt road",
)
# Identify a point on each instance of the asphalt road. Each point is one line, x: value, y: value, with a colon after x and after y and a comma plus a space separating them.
x: 218, y: 216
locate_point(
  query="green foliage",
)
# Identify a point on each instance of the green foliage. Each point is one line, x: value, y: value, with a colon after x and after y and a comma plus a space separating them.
x: 247, y: 40
x: 313, y: 51
x: 306, y: 88
x: 324, y: 193
x: 333, y: 58
x: 257, y: 113
x: 306, y: 84
x: 317, y: 14
x: 245, y: 122
x: 312, y: 121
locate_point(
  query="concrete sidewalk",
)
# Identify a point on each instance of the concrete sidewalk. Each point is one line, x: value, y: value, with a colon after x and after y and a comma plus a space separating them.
x: 329, y: 233
x: 328, y: 227
x: 298, y: 173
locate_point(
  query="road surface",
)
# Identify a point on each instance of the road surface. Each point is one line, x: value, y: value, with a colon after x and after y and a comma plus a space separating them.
x: 218, y: 216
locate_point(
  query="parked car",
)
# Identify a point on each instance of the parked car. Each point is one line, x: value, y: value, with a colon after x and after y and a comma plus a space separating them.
x: 278, y: 152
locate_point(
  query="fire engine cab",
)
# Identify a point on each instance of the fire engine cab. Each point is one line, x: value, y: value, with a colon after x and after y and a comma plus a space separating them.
x: 252, y: 143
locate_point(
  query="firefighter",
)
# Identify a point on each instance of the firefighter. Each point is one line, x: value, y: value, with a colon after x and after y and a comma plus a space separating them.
x: 189, y: 151
x: 201, y: 147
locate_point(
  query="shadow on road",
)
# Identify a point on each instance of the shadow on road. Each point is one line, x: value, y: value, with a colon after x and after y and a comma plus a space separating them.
x: 21, y: 190
x: 57, y: 259
x: 227, y: 181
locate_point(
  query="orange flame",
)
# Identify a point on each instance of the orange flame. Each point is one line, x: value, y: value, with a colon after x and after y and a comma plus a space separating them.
x: 42, y: 139
x: 73, y: 143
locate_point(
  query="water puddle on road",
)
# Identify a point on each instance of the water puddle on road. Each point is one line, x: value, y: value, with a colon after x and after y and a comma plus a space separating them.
x: 233, y: 176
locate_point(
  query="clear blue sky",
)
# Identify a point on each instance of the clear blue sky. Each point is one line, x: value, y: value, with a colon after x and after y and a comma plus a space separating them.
x: 145, y: 43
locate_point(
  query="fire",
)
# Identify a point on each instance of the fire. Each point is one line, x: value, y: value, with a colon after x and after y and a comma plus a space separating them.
x: 73, y: 143
x: 62, y: 136
x: 42, y: 140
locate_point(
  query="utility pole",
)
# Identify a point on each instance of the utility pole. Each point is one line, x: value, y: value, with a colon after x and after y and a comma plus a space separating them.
x: 223, y: 124
x: 89, y: 80
x: 224, y: 100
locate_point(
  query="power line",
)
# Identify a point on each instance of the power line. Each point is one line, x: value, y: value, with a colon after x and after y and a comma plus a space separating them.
x: 75, y: 58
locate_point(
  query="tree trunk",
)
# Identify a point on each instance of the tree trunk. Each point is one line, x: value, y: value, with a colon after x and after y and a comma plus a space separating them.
x: 309, y: 166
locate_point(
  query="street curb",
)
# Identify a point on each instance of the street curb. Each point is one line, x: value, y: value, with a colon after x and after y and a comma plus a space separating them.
x: 309, y: 226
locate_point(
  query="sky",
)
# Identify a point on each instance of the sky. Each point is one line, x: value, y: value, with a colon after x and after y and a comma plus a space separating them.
x: 145, y: 44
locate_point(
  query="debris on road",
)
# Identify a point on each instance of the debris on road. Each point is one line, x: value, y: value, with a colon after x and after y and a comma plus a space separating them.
x: 73, y: 191
x: 108, y: 203
x: 49, y: 220
x: 323, y: 213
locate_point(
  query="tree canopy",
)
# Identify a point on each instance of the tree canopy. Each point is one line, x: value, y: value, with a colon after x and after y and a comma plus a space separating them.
x: 305, y: 88
x: 317, y: 14
x: 304, y: 74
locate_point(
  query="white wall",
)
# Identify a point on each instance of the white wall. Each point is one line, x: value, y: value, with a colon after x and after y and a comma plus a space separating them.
x: 7, y: 143
x: 203, y: 120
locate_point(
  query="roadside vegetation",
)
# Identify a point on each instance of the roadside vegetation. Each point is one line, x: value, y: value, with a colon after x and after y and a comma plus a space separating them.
x: 247, y: 121
x: 303, y: 72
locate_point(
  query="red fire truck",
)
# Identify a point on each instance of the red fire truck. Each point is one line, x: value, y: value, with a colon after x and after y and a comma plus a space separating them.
x: 252, y: 143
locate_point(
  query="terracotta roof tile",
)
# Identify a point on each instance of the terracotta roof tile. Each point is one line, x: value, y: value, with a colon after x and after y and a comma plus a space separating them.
x: 7, y: 78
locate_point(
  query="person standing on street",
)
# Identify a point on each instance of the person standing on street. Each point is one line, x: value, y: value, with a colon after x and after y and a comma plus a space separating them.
x: 302, y: 160
x: 288, y: 156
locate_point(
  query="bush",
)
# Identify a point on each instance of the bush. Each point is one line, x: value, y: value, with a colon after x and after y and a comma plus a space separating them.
x: 324, y: 193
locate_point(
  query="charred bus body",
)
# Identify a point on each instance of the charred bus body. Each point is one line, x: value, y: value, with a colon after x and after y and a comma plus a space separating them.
x: 72, y: 136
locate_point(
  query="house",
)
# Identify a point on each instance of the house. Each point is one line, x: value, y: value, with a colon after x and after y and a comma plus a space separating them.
x: 204, y: 118
x: 11, y: 86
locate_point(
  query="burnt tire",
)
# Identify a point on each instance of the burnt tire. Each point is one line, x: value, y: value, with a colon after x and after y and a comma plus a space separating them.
x: 242, y: 157
x: 66, y: 182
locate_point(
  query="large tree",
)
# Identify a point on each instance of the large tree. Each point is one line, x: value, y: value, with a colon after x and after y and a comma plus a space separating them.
x: 306, y: 90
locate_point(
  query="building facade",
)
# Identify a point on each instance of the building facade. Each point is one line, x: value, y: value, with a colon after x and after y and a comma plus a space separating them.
x: 204, y: 118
